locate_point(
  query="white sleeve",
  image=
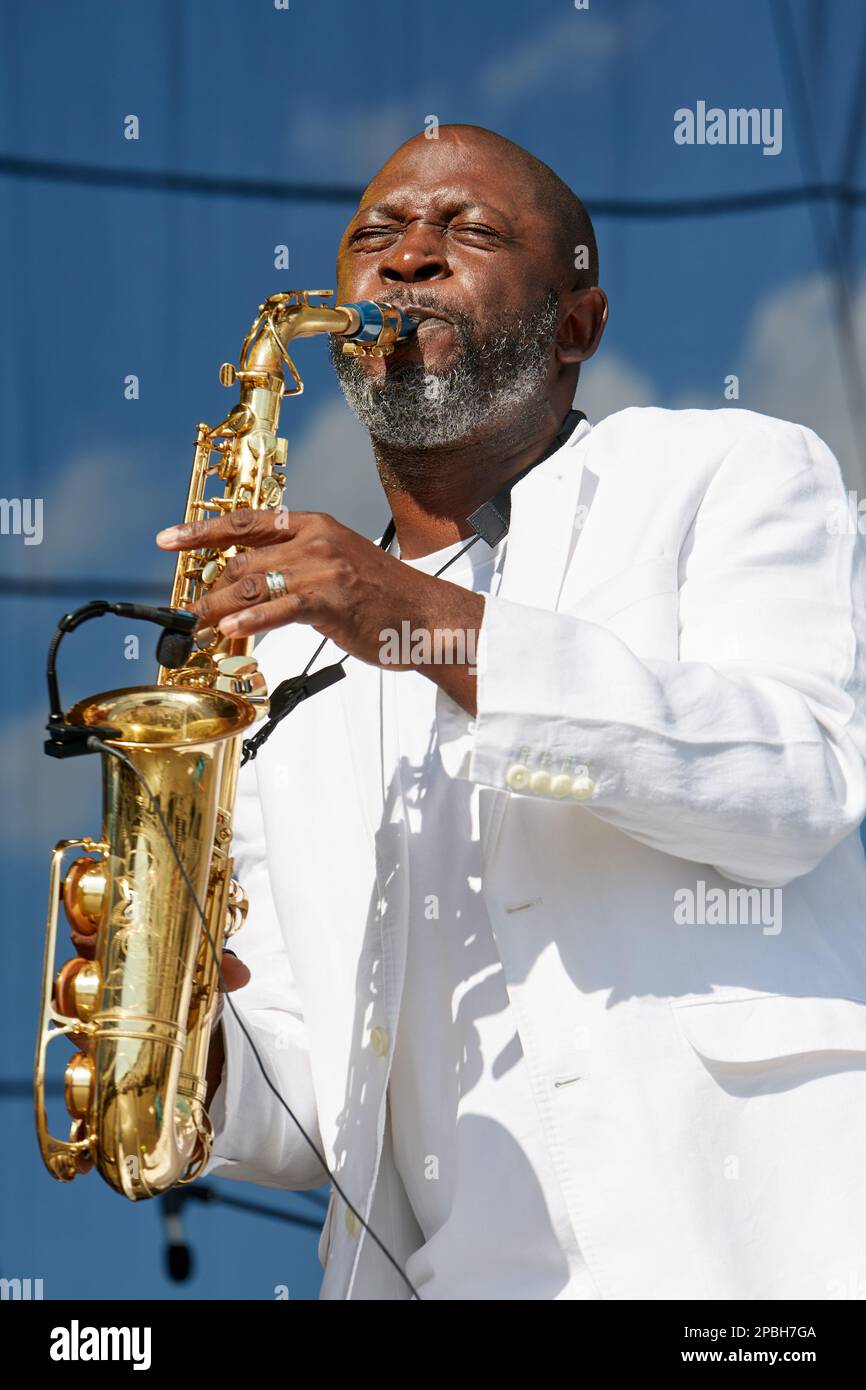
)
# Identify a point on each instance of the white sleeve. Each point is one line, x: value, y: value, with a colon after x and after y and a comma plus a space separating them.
x: 747, y: 753
x: 255, y: 1140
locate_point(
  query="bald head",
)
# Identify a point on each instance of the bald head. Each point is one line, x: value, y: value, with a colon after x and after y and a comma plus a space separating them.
x: 569, y: 225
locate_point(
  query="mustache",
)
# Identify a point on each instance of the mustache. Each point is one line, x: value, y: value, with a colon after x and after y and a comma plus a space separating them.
x: 423, y: 299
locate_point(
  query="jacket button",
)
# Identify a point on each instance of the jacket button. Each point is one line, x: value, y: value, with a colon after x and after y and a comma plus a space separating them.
x: 582, y: 787
x: 540, y: 781
x: 379, y: 1041
x: 353, y: 1225
x: 517, y: 777
x: 561, y: 784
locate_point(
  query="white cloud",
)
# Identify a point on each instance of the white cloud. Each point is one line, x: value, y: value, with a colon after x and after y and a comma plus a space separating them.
x: 577, y: 41
x: 608, y: 383
x: 331, y: 469
x: 359, y: 140
x: 52, y: 799
x: 790, y: 367
x: 94, y: 512
x: 530, y: 66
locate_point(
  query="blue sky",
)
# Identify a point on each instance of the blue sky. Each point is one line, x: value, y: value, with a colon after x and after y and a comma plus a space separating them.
x: 97, y: 283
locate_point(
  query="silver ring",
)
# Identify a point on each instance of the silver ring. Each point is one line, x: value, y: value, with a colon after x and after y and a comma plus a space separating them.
x: 276, y: 583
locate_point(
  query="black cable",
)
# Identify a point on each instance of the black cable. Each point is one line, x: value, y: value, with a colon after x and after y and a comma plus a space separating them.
x: 278, y: 190
x: 21, y: 1088
x: 167, y: 181
x: 853, y: 143
x: 77, y: 588
x: 97, y: 745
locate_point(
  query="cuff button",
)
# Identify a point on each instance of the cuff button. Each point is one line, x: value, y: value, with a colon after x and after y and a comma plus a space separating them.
x: 582, y: 787
x: 517, y: 777
x: 540, y: 782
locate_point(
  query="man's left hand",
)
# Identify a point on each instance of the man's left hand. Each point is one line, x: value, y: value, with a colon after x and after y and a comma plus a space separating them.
x: 337, y: 581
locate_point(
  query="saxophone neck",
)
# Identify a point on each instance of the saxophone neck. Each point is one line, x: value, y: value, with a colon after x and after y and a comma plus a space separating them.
x: 369, y: 328
x: 284, y: 317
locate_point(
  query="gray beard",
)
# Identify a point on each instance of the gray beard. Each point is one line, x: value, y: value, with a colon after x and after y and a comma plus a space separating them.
x: 494, y: 380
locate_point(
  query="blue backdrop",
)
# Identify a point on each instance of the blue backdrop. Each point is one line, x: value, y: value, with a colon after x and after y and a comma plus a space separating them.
x: 719, y: 261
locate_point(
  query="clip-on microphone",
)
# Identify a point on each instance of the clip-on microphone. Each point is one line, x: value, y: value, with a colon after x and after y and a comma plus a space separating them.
x: 173, y: 649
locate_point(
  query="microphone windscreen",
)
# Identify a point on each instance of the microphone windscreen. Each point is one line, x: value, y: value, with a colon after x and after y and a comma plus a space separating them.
x: 173, y: 649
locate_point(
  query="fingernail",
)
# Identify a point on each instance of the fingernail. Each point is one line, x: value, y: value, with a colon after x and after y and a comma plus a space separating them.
x: 168, y: 536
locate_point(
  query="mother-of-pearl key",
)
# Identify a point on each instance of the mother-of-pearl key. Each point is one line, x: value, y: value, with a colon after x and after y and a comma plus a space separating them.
x: 240, y: 675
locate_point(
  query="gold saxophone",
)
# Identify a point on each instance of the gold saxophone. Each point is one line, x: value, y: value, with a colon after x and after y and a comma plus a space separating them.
x: 142, y: 1009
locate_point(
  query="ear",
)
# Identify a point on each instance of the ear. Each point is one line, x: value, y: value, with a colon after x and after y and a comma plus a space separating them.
x: 585, y: 316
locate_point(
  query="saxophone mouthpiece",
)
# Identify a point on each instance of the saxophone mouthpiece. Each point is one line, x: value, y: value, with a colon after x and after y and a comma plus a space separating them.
x: 375, y: 329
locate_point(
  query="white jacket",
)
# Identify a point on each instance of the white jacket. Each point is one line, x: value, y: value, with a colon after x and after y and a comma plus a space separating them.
x: 679, y: 632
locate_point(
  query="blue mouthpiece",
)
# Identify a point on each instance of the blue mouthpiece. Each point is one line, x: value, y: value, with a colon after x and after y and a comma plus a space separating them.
x: 371, y: 318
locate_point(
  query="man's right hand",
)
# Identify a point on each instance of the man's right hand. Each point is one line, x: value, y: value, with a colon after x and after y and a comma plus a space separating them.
x: 236, y: 975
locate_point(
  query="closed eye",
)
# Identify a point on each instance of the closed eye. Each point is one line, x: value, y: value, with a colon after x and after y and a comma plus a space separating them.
x: 378, y: 233
x: 476, y: 234
x: 372, y: 233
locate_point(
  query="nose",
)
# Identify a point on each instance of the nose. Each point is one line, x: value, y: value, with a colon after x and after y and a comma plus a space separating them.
x: 417, y: 256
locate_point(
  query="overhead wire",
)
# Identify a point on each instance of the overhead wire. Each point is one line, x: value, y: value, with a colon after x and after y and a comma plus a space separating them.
x: 283, y: 190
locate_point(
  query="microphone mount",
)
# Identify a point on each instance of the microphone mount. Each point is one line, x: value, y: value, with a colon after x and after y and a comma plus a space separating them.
x: 72, y: 740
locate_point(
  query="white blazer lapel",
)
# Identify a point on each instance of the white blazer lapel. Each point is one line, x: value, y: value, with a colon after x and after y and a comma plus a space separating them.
x: 541, y: 539
x: 543, y: 532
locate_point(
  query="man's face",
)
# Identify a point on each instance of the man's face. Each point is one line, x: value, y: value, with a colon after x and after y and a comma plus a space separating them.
x: 448, y: 231
x: 454, y: 220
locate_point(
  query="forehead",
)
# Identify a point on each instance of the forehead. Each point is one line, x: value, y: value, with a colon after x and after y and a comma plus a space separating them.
x: 431, y: 173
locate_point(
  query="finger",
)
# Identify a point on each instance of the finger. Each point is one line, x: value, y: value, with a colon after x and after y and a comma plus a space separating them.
x: 84, y: 945
x: 253, y: 526
x: 218, y: 603
x: 293, y: 608
x: 235, y: 973
x: 258, y: 561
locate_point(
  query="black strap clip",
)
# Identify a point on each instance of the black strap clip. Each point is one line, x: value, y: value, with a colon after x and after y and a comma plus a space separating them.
x: 287, y: 696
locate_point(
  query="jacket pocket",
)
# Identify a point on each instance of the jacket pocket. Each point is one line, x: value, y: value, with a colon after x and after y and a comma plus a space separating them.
x: 769, y: 1026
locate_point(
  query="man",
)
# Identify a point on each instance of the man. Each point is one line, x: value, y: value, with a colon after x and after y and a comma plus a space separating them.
x: 555, y: 950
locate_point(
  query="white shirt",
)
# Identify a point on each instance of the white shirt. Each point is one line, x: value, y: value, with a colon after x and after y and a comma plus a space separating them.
x: 467, y: 1138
